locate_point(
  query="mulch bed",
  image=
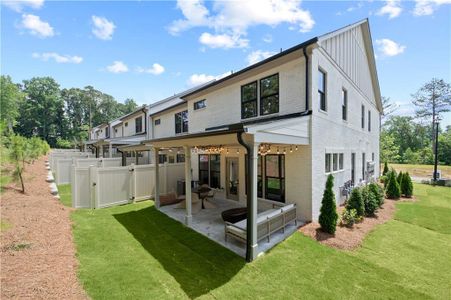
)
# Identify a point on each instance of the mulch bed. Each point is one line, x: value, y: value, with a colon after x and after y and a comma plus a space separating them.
x: 37, y: 251
x: 346, y: 238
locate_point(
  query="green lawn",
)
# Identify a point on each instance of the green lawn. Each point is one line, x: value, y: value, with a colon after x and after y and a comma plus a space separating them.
x: 65, y: 193
x: 421, y: 170
x: 134, y: 251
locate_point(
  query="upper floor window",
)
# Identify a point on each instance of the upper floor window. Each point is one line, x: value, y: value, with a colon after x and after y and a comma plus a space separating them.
x: 369, y: 120
x: 181, y: 122
x: 126, y: 124
x: 115, y: 130
x: 322, y: 90
x: 249, y: 100
x: 269, y: 95
x: 344, y: 104
x: 200, y: 104
x: 180, y: 158
x: 157, y: 122
x: 107, y: 132
x: 138, y: 124
x: 363, y: 116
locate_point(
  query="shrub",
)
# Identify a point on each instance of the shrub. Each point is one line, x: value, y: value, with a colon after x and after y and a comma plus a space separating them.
x: 328, y: 214
x: 385, y: 169
x: 355, y: 201
x: 392, y: 191
x: 369, y: 200
x: 378, y: 193
x: 349, y: 217
x: 399, y: 178
x: 406, y: 185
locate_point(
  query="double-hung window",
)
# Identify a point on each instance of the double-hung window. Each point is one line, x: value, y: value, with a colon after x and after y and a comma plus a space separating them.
x: 269, y: 95
x: 369, y: 120
x: 249, y: 100
x: 322, y: 90
x: 275, y: 177
x: 344, y: 104
x: 200, y: 104
x: 138, y: 124
x: 363, y: 116
x: 181, y: 122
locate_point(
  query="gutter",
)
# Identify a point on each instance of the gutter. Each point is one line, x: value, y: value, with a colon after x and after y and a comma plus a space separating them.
x: 145, y: 119
x: 307, y: 65
x: 97, y: 150
x: 124, y: 161
x: 250, y: 205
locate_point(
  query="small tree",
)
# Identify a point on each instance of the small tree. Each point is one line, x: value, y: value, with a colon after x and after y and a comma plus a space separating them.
x: 17, y: 156
x: 378, y: 192
x: 355, y: 201
x: 370, y: 201
x: 399, y: 178
x: 328, y: 214
x: 385, y: 169
x: 406, y: 185
x: 392, y: 191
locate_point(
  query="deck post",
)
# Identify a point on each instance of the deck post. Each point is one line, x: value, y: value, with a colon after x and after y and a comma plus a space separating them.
x: 101, y: 150
x: 157, y: 178
x: 188, y: 217
x: 252, y: 209
x: 110, y: 150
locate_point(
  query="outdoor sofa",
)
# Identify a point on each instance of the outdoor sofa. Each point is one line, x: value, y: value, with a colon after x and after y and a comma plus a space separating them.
x: 268, y: 222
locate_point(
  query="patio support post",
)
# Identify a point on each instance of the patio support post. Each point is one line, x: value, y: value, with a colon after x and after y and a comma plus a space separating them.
x: 157, y: 179
x: 252, y: 209
x: 110, y: 150
x: 101, y: 150
x: 136, y: 158
x: 188, y: 217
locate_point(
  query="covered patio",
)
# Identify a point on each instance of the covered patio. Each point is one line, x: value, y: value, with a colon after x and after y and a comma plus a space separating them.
x: 255, y: 234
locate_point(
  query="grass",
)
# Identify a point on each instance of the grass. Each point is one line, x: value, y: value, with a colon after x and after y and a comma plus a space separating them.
x: 134, y: 251
x: 421, y: 170
x: 5, y: 225
x: 65, y: 193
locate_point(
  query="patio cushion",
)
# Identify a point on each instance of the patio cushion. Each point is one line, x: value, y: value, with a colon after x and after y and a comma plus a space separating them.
x: 274, y: 213
x: 236, y: 231
x: 287, y: 207
x: 260, y: 218
x: 241, y: 224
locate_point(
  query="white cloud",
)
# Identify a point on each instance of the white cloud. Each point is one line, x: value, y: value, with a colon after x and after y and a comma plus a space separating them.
x: 223, y: 41
x: 233, y: 18
x: 388, y: 47
x: 103, y: 28
x: 267, y: 38
x: 117, y: 67
x: 58, y: 57
x: 19, y: 5
x: 156, y: 69
x: 356, y: 7
x: 197, y: 79
x: 37, y: 26
x: 392, y: 8
x: 258, y: 55
x: 428, y: 7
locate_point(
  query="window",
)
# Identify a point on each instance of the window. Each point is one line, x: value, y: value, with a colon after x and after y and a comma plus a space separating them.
x: 210, y: 169
x: 335, y: 161
x: 107, y: 132
x: 340, y: 161
x: 322, y: 90
x: 180, y: 158
x: 328, y: 162
x: 372, y: 156
x: 162, y: 158
x: 200, y: 104
x: 344, y: 105
x: 138, y: 124
x: 249, y: 100
x: 157, y: 122
x: 115, y: 130
x: 369, y: 120
x: 126, y: 124
x: 363, y: 116
x: 363, y: 165
x: 269, y: 95
x: 171, y: 159
x: 181, y: 122
x: 275, y: 177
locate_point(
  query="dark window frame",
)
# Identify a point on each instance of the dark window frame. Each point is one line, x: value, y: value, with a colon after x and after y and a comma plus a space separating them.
x: 363, y: 116
x: 255, y: 100
x: 180, y: 157
x: 322, y: 91
x: 262, y: 98
x: 281, y: 178
x: 200, y: 104
x: 344, y: 104
x: 181, y: 125
x: 140, y: 123
x: 162, y: 158
x: 369, y: 120
x: 328, y: 162
x: 210, y: 171
x: 157, y: 122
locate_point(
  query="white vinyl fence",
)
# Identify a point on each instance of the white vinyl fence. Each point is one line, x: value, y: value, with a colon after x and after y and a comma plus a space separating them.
x: 97, y: 187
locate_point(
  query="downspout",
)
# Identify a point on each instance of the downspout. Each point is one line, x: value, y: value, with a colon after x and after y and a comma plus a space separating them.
x: 304, y: 50
x: 249, y: 220
x: 145, y: 120
x: 97, y: 151
x: 123, y: 157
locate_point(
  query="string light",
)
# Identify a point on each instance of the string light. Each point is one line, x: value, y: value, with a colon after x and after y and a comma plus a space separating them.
x: 296, y: 148
x: 284, y: 151
x: 291, y: 149
x: 278, y: 152
x: 237, y: 151
x: 227, y: 150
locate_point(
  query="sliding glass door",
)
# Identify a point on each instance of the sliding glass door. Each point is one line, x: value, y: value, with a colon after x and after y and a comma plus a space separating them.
x: 210, y: 169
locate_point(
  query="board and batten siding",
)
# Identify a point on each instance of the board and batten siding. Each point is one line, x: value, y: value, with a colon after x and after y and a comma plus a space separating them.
x: 223, y: 106
x: 166, y: 128
x: 130, y: 129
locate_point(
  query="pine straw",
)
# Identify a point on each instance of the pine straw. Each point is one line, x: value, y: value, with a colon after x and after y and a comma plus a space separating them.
x: 37, y: 251
x: 346, y: 238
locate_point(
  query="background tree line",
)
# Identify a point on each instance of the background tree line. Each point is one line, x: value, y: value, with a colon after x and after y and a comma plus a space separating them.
x: 411, y: 139
x: 62, y: 117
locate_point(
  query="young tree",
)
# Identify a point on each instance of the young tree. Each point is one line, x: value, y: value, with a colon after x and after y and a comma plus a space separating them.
x: 370, y: 201
x: 378, y: 192
x: 389, y: 147
x: 432, y: 100
x: 17, y: 156
x: 10, y: 98
x: 388, y: 107
x: 355, y: 201
x: 385, y: 169
x: 328, y: 214
x: 406, y: 185
x: 399, y: 178
x: 392, y: 190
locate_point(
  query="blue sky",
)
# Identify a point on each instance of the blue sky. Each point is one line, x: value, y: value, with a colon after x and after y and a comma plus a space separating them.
x: 148, y: 50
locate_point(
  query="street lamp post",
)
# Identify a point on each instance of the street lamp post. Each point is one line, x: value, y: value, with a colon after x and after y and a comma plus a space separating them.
x: 436, y: 121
